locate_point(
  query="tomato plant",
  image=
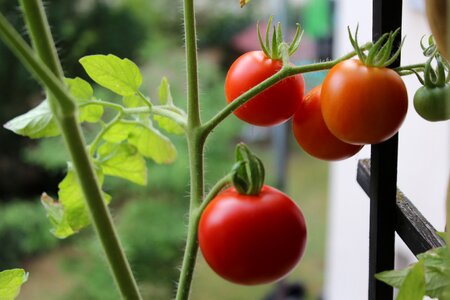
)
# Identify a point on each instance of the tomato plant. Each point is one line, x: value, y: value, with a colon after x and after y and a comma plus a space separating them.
x: 250, y: 233
x: 363, y: 104
x: 273, y: 106
x: 312, y: 134
x: 252, y: 239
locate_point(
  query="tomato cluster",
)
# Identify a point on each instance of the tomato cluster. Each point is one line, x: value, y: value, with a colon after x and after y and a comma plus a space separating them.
x: 356, y: 104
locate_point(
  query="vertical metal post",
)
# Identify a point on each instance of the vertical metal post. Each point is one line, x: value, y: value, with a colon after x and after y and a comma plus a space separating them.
x: 387, y: 16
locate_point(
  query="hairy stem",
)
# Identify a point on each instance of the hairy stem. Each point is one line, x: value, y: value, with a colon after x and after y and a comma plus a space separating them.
x: 64, y: 109
x: 196, y: 142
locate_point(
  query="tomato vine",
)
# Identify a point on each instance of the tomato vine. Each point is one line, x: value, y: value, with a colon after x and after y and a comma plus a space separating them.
x: 124, y: 139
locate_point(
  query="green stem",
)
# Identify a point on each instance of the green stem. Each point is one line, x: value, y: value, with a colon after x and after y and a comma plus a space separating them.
x: 215, y: 190
x: 191, y: 63
x: 35, y: 66
x: 192, y: 240
x: 285, y: 72
x: 160, y: 110
x: 98, y: 210
x: 65, y: 112
x: 409, y: 67
x: 196, y: 142
x: 93, y: 146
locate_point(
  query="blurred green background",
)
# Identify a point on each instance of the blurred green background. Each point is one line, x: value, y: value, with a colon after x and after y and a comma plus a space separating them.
x: 151, y: 220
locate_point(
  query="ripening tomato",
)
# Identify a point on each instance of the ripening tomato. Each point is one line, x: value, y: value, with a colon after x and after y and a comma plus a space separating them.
x: 433, y: 103
x: 313, y: 135
x: 273, y: 106
x: 361, y: 104
x: 252, y: 239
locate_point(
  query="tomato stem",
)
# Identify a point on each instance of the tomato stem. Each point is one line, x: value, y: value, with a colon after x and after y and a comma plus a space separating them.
x: 213, y: 192
x: 65, y: 111
x: 160, y: 110
x: 285, y: 72
x: 196, y: 141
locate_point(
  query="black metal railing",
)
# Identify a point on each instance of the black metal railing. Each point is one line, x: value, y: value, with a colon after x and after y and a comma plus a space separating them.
x: 390, y: 210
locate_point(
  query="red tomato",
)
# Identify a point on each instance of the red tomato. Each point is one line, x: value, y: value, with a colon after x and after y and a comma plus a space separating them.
x: 313, y: 135
x: 252, y: 239
x: 273, y: 106
x: 361, y: 104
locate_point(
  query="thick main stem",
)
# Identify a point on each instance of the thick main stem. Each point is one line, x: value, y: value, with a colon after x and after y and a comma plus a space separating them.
x: 196, y: 142
x: 66, y: 115
x: 98, y: 210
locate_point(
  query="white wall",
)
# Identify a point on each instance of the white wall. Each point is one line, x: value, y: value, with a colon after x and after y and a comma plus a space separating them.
x: 424, y: 160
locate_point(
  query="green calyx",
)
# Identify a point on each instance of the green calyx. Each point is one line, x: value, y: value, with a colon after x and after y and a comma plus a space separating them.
x: 436, y: 77
x: 437, y: 74
x: 277, y: 48
x: 429, y: 50
x: 247, y: 175
x: 380, y: 53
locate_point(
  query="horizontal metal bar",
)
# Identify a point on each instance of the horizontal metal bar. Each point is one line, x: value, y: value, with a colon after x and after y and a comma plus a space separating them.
x: 414, y: 229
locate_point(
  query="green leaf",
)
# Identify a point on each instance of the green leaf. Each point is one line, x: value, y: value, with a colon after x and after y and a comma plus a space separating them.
x: 119, y: 132
x: 83, y: 92
x: 413, y: 287
x: 70, y: 214
x: 55, y: 213
x: 10, y: 283
x: 394, y: 278
x: 123, y: 160
x: 36, y: 123
x: 121, y: 76
x: 152, y: 144
x: 168, y: 124
x: 437, y: 271
x: 148, y: 141
x: 165, y: 96
x: 133, y: 101
x: 91, y: 113
x: 79, y: 88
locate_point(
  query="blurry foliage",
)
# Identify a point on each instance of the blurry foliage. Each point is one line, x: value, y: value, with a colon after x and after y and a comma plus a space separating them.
x: 24, y: 232
x: 152, y: 234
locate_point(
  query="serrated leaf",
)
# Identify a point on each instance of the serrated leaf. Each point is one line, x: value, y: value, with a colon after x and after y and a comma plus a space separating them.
x: 36, y: 123
x: 148, y: 140
x: 152, y: 144
x: 83, y: 92
x: 79, y: 88
x: 394, y: 278
x: 413, y: 287
x: 69, y: 215
x: 11, y: 282
x: 123, y: 160
x: 55, y: 213
x: 119, y: 132
x: 168, y: 124
x: 437, y: 271
x: 121, y: 76
x: 165, y: 96
x: 91, y: 113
